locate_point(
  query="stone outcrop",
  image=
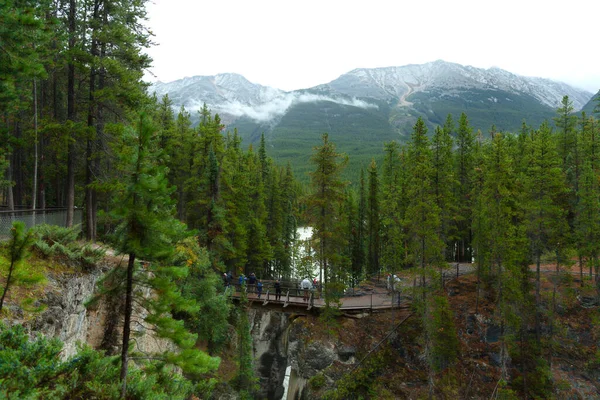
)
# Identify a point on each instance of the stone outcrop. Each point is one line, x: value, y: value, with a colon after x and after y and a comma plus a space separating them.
x: 281, y: 341
x: 67, y: 317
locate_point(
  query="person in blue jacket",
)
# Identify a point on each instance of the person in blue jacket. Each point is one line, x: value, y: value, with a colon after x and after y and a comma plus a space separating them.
x: 259, y: 287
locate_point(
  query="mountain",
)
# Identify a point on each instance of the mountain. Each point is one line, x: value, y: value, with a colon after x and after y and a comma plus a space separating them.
x: 365, y: 108
x: 591, y: 105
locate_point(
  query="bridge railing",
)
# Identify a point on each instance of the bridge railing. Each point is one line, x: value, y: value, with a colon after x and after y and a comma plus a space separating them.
x: 31, y: 218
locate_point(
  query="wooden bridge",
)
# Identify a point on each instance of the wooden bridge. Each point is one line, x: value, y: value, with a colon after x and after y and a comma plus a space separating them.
x: 293, y: 297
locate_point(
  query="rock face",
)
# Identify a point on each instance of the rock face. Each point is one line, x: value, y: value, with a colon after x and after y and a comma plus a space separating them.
x: 269, y: 335
x: 66, y: 316
x: 281, y: 341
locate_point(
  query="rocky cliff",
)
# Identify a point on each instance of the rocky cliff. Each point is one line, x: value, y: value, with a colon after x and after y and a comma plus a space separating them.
x: 65, y: 314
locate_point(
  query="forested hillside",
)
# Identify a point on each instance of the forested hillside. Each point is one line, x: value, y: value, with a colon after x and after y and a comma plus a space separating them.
x: 182, y: 205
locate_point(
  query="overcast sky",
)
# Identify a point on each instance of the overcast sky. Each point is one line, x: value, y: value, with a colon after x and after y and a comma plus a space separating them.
x: 290, y: 44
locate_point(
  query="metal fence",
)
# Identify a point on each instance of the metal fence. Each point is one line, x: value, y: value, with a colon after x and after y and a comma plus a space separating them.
x: 53, y: 216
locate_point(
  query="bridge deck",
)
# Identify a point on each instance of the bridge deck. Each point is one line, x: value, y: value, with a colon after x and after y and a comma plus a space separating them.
x: 372, y: 301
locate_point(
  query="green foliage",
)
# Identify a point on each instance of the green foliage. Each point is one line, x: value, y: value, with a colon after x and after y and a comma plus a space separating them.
x: 507, y: 112
x: 201, y: 284
x: 361, y: 383
x: 245, y: 381
x: 35, y: 370
x: 442, y: 331
x: 324, y: 207
x: 317, y: 381
x: 61, y: 243
x: 17, y: 248
x: 329, y: 315
x: 356, y: 131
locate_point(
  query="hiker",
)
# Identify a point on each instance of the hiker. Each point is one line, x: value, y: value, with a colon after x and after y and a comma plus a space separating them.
x: 393, y: 283
x: 305, y: 285
x: 225, y: 282
x: 259, y: 287
x: 277, y: 290
x: 251, y: 282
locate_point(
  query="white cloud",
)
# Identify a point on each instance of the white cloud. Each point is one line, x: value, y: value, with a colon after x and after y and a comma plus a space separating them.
x: 278, y: 106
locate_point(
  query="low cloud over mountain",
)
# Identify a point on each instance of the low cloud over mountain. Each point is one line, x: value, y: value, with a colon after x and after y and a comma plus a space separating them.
x: 365, y: 108
x: 234, y: 96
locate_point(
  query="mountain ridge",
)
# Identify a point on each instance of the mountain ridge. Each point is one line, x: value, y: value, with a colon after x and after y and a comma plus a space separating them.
x: 227, y: 92
x: 366, y: 107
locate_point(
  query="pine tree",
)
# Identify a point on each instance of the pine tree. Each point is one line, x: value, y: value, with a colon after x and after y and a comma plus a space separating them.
x: 545, y: 215
x: 566, y: 122
x: 324, y: 202
x: 464, y: 170
x: 245, y: 379
x: 443, y: 183
x: 147, y: 232
x: 422, y: 222
x: 422, y: 219
x: 360, y: 256
x: 587, y: 221
x: 259, y: 248
x: 392, y: 208
x: 324, y: 209
x: 373, y: 222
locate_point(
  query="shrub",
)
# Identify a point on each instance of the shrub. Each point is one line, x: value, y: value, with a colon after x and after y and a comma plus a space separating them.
x: 34, y: 369
x: 317, y: 381
x: 61, y: 243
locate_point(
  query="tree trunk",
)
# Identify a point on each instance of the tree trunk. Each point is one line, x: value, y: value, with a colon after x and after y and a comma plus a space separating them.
x: 127, y: 324
x: 553, y: 314
x: 537, y: 298
x: 581, y: 270
x: 10, y: 200
x: 7, y: 284
x: 18, y: 165
x: 93, y: 122
x: 70, y: 184
x: 35, y: 145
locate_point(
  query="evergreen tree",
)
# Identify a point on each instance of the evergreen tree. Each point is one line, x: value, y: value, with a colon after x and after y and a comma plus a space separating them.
x: 147, y: 232
x: 392, y: 207
x: 234, y: 187
x: 324, y: 209
x: 259, y: 248
x: 587, y: 222
x: 356, y: 248
x: 565, y: 123
x: 545, y: 216
x: 324, y: 203
x: 360, y: 256
x: 35, y: 368
x: 245, y: 379
x: 422, y: 219
x: 443, y: 183
x: 373, y: 221
x: 464, y: 170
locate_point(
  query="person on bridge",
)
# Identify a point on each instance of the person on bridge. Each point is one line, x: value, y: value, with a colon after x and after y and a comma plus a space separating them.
x: 393, y: 283
x: 259, y: 287
x: 305, y: 285
x: 277, y: 290
x: 251, y: 282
